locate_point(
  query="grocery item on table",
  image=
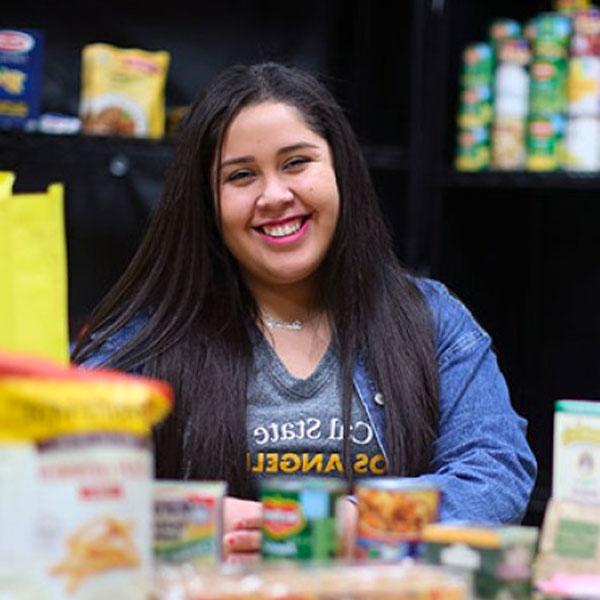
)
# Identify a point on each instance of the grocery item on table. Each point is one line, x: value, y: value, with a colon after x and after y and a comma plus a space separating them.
x: 569, y: 545
x: 188, y: 521
x: 586, y: 33
x: 576, y: 451
x: 123, y: 91
x: 392, y: 512
x: 583, y: 86
x: 548, y: 87
x: 477, y: 66
x: 550, y: 34
x: 508, y: 143
x: 302, y: 518
x: 76, y: 480
x: 504, y: 29
x: 305, y: 581
x: 21, y: 62
x: 499, y: 557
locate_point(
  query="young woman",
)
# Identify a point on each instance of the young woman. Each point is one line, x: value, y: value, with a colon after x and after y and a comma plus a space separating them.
x: 267, y: 292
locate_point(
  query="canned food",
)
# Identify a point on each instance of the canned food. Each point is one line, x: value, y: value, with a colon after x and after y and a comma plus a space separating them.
x: 473, y: 149
x: 392, y: 512
x: 504, y: 29
x: 302, y: 517
x: 548, y: 87
x: 475, y: 109
x: 477, y: 66
x: 545, y: 142
x: 508, y: 143
x: 582, y: 145
x: 583, y: 86
x: 550, y: 34
x: 188, y: 521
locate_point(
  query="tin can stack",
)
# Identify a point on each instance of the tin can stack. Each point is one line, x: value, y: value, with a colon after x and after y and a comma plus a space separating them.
x: 475, y: 111
x: 511, y: 96
x: 582, y: 152
x: 541, y: 111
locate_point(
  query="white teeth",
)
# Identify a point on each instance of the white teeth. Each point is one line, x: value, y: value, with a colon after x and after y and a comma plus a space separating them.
x: 283, y: 230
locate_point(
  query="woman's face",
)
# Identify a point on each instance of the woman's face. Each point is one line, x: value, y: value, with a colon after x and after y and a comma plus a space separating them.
x: 278, y: 195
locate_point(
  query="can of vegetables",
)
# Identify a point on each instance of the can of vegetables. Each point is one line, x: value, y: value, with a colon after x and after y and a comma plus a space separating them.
x: 392, y: 512
x: 76, y: 471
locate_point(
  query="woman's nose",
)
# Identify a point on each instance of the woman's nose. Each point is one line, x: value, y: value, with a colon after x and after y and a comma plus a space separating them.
x: 275, y: 190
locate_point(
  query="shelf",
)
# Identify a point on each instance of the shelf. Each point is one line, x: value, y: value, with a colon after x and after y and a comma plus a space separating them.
x: 559, y: 180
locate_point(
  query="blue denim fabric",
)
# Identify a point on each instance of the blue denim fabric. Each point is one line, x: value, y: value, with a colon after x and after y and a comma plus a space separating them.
x: 481, y: 460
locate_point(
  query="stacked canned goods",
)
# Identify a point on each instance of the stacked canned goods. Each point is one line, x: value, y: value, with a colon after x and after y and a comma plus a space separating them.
x: 582, y: 147
x: 475, y: 110
x: 511, y: 96
x: 549, y: 35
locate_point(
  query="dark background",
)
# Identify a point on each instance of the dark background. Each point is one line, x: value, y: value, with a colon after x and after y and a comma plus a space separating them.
x: 520, y: 249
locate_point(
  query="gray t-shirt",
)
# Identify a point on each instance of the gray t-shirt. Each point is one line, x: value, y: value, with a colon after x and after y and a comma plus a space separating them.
x: 295, y: 425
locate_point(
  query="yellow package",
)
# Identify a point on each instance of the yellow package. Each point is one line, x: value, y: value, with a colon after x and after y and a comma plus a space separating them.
x: 76, y: 470
x: 123, y: 91
x: 33, y: 272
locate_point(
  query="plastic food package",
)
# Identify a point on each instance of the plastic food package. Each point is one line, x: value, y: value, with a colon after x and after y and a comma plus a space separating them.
x: 123, y: 91
x: 33, y: 263
x: 76, y: 470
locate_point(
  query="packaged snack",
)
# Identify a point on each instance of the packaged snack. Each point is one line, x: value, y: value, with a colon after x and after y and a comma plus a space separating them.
x: 123, y: 91
x: 21, y: 57
x: 188, y: 521
x: 76, y: 469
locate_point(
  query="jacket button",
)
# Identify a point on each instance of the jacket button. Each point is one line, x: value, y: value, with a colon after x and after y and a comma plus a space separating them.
x: 378, y: 398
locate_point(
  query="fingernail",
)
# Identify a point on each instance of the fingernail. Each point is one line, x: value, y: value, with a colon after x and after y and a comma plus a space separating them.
x: 240, y: 524
x: 230, y: 540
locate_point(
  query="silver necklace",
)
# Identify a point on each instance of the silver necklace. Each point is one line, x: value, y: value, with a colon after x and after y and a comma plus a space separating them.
x: 289, y: 325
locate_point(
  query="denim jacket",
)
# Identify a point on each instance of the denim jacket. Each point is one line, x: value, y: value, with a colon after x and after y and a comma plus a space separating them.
x: 481, y: 462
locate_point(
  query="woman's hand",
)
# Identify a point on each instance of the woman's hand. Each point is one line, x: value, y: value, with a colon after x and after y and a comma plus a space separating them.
x: 350, y: 523
x: 242, y: 530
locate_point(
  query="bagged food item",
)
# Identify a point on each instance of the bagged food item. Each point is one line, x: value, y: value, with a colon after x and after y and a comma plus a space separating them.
x: 123, y: 91
x: 33, y: 264
x: 21, y: 58
x: 76, y: 468
x: 188, y: 521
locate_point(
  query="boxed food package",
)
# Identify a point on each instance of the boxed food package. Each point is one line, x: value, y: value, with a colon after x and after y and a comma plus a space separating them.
x: 76, y: 469
x: 576, y: 451
x: 123, y: 91
x: 569, y: 550
x: 21, y: 57
x: 499, y: 558
x: 188, y: 521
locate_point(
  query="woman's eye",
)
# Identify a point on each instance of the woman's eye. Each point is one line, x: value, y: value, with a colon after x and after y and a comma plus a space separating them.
x: 295, y: 162
x: 239, y: 176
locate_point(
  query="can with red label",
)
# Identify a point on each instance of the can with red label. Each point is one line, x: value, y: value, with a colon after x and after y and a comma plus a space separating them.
x: 392, y: 512
x: 302, y: 518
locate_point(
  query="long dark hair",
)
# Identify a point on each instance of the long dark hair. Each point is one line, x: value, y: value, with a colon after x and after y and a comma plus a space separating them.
x: 200, y: 314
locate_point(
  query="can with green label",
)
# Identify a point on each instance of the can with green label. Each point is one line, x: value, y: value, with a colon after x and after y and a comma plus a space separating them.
x: 302, y: 518
x: 545, y: 142
x: 473, y: 149
x: 477, y: 66
x: 548, y: 86
x: 551, y: 33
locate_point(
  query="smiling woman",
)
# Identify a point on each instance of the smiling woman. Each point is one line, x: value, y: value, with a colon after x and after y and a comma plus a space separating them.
x: 267, y: 292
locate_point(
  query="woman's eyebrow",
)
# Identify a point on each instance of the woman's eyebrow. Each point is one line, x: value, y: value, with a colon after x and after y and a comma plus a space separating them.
x: 246, y: 159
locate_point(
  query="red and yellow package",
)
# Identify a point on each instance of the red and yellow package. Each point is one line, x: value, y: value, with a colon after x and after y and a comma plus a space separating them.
x: 123, y: 91
x: 76, y: 472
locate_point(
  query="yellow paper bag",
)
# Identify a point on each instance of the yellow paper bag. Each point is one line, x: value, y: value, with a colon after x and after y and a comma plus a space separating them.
x: 33, y: 272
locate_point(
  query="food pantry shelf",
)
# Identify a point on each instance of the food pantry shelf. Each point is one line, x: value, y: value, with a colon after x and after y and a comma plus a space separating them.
x: 520, y: 180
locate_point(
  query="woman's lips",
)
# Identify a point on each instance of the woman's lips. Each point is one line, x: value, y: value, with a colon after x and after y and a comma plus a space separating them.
x: 285, y: 232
